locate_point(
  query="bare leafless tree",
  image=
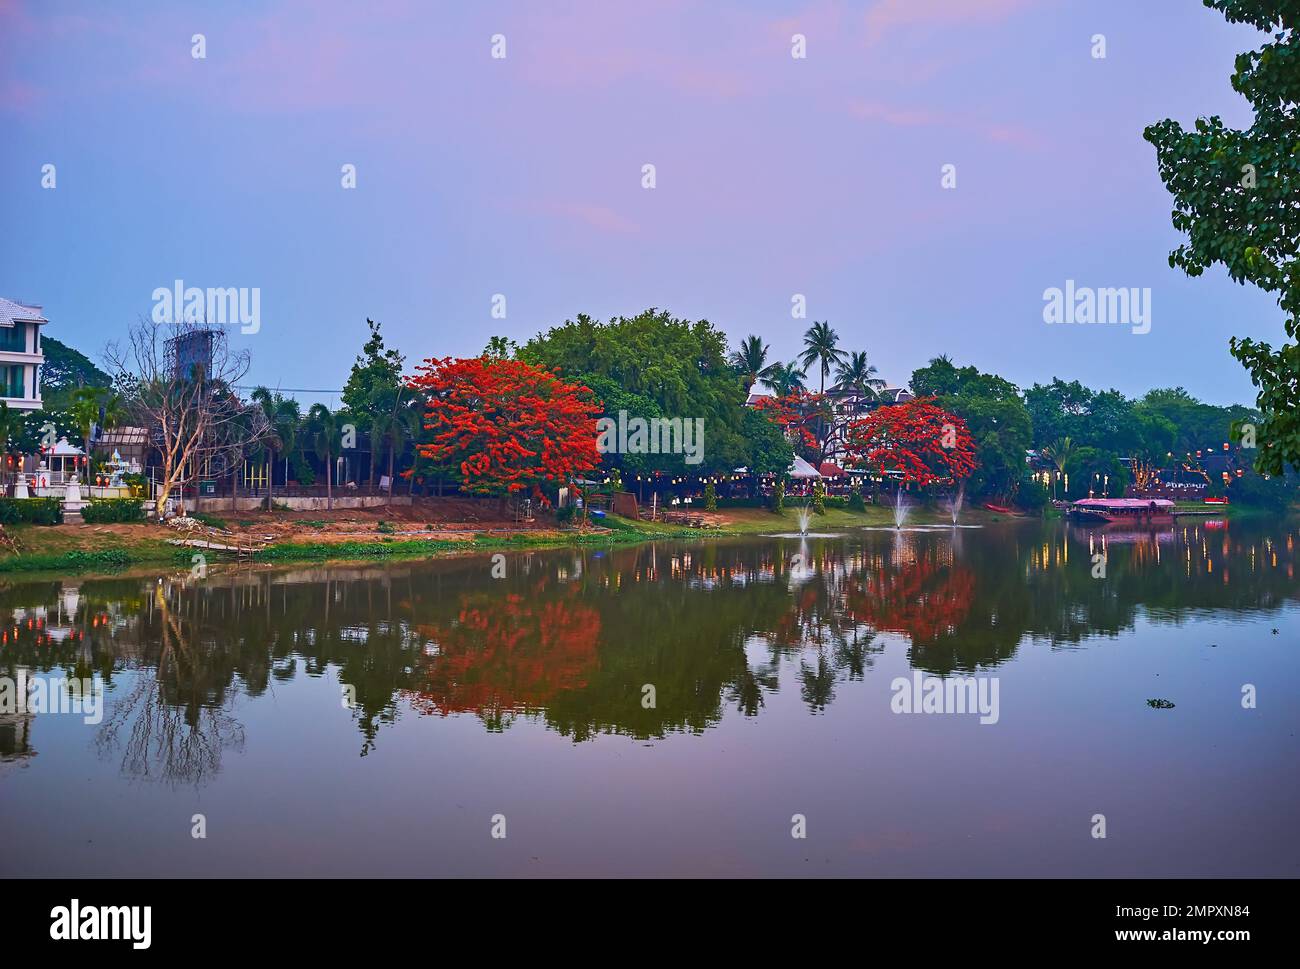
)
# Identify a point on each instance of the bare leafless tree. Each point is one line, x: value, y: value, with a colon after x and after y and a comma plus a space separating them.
x: 178, y: 382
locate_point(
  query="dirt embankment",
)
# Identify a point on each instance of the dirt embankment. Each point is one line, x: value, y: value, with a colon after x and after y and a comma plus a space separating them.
x: 448, y: 519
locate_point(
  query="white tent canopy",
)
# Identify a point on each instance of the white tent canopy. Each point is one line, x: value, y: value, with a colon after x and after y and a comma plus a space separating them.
x: 62, y: 449
x: 802, y: 469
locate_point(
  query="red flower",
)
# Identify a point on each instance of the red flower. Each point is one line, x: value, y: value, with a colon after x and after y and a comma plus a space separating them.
x: 506, y: 424
x: 918, y: 439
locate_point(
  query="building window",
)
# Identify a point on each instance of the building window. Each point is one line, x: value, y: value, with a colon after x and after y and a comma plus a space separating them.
x: 13, y: 338
x: 11, y: 376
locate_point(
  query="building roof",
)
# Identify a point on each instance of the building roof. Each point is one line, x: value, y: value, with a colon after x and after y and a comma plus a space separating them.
x: 802, y: 469
x: 124, y: 435
x: 63, y: 449
x: 896, y: 395
x: 1118, y: 504
x: 12, y: 312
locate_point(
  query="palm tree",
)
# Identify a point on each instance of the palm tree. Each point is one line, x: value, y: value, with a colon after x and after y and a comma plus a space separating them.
x: 859, y: 375
x: 324, y: 432
x: 91, y: 406
x: 404, y: 426
x: 750, y: 361
x: 821, y: 346
x: 285, y: 424
x: 283, y: 417
x: 1059, y: 453
x: 87, y: 405
x: 784, y: 378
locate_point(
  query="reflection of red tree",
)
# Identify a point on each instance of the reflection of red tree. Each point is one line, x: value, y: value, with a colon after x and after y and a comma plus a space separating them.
x: 924, y: 600
x: 511, y: 654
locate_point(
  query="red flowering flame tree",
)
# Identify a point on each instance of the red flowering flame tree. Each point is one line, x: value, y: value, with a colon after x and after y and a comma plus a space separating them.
x: 508, y: 425
x: 914, y: 442
x: 797, y: 414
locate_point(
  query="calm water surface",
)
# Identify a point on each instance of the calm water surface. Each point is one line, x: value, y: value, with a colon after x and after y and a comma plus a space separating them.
x: 771, y: 662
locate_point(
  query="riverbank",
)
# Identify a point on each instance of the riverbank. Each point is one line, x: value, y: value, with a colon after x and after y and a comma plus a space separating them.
x: 453, y: 526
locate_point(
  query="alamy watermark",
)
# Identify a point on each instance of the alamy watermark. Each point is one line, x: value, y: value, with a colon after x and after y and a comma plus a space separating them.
x: 946, y: 694
x: 1123, y: 306
x: 75, y: 922
x: 658, y: 435
x: 219, y: 305
x: 53, y: 694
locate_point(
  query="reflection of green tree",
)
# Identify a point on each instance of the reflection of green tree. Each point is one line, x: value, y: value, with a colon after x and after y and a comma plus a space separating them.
x: 174, y: 722
x: 817, y: 682
x: 709, y: 627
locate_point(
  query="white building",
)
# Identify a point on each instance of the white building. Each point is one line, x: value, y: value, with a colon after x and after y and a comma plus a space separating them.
x: 20, y: 354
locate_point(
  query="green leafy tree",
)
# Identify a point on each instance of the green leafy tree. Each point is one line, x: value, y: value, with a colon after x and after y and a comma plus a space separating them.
x: 1234, y: 196
x: 856, y: 501
x: 680, y: 365
x: 500, y: 348
x: 66, y: 368
x: 372, y: 390
x: 1097, y: 470
x: 1275, y: 493
x: 1057, y: 410
x: 999, y: 423
x: 770, y: 451
x: 11, y: 427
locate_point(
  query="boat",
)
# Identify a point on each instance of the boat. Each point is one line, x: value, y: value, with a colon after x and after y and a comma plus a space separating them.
x: 1152, y: 511
x: 1002, y: 509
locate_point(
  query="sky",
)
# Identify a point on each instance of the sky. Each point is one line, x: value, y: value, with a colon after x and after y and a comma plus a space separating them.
x: 480, y: 176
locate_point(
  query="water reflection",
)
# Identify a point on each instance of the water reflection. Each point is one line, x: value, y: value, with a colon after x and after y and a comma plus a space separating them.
x: 574, y: 638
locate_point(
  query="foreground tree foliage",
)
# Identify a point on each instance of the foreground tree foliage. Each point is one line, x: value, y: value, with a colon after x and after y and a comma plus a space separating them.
x: 507, y: 425
x: 1234, y: 195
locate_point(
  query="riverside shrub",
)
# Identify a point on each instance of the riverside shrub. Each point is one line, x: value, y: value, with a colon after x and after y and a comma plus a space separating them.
x: 31, y: 511
x: 106, y: 511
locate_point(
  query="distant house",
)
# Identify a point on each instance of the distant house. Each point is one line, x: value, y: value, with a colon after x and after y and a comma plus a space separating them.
x: 20, y: 354
x: 896, y: 395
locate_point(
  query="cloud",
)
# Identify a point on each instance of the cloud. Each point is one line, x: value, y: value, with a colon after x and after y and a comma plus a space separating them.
x: 1000, y: 132
x: 887, y: 15
x: 599, y: 217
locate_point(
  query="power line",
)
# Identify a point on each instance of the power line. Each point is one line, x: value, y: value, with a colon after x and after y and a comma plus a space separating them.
x: 288, y: 390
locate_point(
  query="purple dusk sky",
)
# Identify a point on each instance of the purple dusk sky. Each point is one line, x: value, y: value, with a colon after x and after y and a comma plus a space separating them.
x: 522, y: 176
